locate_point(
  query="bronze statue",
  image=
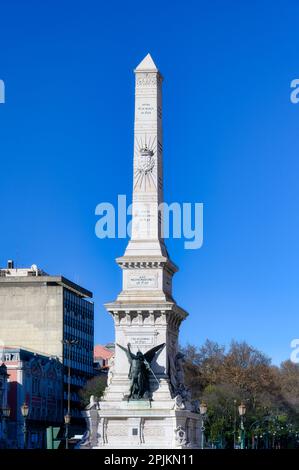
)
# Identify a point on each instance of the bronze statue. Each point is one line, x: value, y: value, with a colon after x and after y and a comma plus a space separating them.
x: 140, y: 368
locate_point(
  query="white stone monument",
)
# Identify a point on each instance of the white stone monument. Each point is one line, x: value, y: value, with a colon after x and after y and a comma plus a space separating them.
x: 145, y: 313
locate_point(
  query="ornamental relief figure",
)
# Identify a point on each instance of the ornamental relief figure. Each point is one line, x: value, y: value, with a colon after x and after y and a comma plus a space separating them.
x: 181, y: 436
x: 181, y: 393
x: 176, y: 371
x: 145, y: 173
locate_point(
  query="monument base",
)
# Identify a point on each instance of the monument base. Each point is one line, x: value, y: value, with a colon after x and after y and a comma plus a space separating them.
x: 141, y: 424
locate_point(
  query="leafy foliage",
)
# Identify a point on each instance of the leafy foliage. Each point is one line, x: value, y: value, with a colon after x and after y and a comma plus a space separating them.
x: 94, y: 386
x: 243, y: 374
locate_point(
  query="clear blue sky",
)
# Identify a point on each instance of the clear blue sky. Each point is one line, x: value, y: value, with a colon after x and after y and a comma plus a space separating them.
x: 230, y: 141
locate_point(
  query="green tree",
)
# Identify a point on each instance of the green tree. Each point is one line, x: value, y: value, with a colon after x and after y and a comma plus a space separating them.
x: 244, y: 374
x: 94, y: 386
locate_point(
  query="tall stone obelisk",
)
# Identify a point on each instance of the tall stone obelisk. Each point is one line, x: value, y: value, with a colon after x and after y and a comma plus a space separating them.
x: 145, y: 313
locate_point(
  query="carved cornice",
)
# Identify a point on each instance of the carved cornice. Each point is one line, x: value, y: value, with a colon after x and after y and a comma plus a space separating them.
x: 168, y: 314
x: 144, y: 262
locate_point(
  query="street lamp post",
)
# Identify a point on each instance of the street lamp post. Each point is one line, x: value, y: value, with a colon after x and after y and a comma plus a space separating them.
x: 242, y: 411
x: 67, y: 419
x: 6, y: 415
x: 203, y: 411
x: 235, y: 422
x: 25, y: 412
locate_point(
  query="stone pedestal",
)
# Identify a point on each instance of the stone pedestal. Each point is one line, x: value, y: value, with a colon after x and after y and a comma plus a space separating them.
x: 166, y: 418
x: 129, y: 425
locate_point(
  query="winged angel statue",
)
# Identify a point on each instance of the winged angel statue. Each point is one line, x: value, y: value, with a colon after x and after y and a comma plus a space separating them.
x: 140, y: 368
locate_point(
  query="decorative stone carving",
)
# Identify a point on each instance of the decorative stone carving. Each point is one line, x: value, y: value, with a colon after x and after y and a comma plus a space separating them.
x: 176, y: 371
x: 93, y: 403
x: 104, y: 431
x: 150, y: 82
x: 179, y: 365
x: 122, y: 319
x: 185, y: 393
x: 110, y: 372
x: 159, y: 319
x: 195, y: 406
x: 145, y: 166
x: 179, y: 403
x: 180, y: 436
x: 141, y: 430
x: 172, y: 373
